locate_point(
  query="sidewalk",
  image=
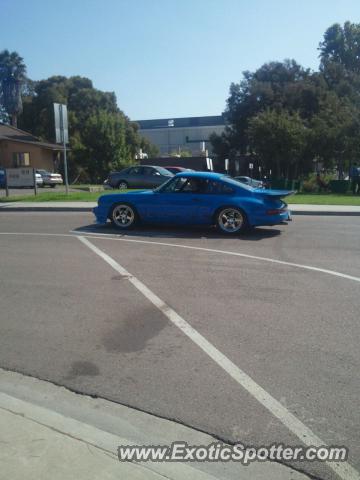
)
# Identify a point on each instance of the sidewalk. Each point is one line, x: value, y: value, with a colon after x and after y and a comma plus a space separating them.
x: 49, y: 432
x: 296, y: 209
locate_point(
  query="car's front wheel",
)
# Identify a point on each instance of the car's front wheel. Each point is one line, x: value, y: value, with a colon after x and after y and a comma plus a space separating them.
x: 123, y: 216
x: 231, y: 220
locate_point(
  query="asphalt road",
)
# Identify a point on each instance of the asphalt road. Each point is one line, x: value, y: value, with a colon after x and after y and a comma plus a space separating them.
x: 67, y: 316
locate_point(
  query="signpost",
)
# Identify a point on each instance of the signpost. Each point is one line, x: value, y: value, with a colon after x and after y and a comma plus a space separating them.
x: 62, y: 134
x: 20, y: 177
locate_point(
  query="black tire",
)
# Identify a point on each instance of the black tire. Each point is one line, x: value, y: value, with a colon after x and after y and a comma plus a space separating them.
x: 53, y: 186
x: 231, y: 220
x: 122, y: 185
x: 123, y: 216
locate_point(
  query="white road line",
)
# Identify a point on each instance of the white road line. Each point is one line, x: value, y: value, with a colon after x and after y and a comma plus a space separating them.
x: 105, y: 236
x: 344, y: 470
x: 224, y: 252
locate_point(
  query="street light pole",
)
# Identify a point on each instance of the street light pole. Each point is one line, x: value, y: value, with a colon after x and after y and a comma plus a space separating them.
x: 65, y: 167
x: 63, y: 137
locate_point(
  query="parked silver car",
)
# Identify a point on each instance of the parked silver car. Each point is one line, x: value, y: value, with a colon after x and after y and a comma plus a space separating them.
x: 139, y: 176
x: 50, y: 179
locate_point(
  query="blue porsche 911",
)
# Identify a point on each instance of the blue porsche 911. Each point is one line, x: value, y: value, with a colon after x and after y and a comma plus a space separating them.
x: 196, y: 198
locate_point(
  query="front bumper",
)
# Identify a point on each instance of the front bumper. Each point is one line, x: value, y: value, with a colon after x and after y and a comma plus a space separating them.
x: 101, y: 215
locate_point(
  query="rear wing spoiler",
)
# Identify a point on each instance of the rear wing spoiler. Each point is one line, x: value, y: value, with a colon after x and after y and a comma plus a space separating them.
x: 274, y: 193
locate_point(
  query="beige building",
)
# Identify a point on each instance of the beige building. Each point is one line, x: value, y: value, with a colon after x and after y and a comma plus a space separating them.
x: 176, y: 134
x: 21, y: 149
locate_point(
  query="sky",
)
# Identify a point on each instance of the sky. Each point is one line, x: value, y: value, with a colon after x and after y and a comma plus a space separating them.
x: 166, y: 58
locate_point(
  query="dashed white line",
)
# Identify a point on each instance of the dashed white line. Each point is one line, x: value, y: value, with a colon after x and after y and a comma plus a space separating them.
x: 344, y: 470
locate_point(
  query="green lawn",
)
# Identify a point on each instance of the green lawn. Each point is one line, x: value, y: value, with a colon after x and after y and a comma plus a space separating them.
x: 83, y: 196
x: 324, y: 199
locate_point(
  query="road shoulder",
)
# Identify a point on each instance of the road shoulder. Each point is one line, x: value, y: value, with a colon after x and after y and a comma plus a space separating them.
x: 47, y: 428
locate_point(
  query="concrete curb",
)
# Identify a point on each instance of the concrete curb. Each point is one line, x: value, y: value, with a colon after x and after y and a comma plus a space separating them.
x: 326, y: 213
x: 31, y: 409
x: 45, y: 209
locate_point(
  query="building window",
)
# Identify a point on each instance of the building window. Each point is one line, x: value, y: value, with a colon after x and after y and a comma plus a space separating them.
x: 21, y: 159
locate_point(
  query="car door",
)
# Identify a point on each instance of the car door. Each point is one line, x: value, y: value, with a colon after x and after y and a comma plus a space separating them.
x: 135, y: 177
x: 171, y: 204
x: 213, y: 195
x: 152, y: 178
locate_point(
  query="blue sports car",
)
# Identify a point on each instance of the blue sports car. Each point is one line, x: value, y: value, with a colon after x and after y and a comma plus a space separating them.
x: 196, y: 198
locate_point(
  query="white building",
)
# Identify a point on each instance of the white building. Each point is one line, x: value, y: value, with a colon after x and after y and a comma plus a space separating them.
x: 175, y: 134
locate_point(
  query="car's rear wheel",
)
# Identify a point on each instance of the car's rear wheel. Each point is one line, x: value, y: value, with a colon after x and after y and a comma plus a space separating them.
x: 53, y: 185
x: 231, y: 220
x: 123, y: 216
x: 122, y: 185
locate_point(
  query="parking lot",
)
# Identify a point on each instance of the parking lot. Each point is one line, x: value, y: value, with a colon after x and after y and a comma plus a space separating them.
x: 252, y: 338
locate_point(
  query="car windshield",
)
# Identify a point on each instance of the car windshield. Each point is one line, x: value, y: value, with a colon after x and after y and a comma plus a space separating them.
x: 164, y: 185
x: 163, y: 171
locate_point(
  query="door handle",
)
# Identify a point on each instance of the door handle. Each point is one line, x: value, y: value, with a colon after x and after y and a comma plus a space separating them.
x: 196, y: 199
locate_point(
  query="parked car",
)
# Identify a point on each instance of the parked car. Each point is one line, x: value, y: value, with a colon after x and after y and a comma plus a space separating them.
x: 250, y: 181
x: 202, y: 198
x: 139, y: 176
x: 176, y: 170
x: 50, y: 179
x: 39, y: 180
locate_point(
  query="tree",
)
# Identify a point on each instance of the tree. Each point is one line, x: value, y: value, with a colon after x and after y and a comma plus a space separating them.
x: 341, y: 45
x: 277, y: 86
x: 12, y: 80
x: 106, y: 149
x: 279, y: 139
x: 335, y: 133
x: 102, y: 137
x: 340, y: 61
x: 281, y: 98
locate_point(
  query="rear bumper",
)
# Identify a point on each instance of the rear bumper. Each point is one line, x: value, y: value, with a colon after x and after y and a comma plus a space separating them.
x: 264, y: 220
x: 55, y: 181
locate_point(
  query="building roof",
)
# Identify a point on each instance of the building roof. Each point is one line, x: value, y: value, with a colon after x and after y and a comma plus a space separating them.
x: 208, y: 121
x: 13, y: 134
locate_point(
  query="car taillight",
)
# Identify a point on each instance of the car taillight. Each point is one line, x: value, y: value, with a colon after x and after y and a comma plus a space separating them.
x: 275, y: 211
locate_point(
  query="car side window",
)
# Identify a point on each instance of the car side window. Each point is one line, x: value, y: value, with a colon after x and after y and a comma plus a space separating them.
x: 194, y: 185
x: 136, y: 171
x: 175, y: 186
x: 218, y: 188
x: 149, y: 171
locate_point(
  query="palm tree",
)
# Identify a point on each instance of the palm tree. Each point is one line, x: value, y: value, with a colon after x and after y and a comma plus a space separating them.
x: 12, y: 79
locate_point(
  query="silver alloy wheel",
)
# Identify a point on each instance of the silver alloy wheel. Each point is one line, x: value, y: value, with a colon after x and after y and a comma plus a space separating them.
x: 123, y: 186
x: 230, y: 220
x: 123, y: 216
